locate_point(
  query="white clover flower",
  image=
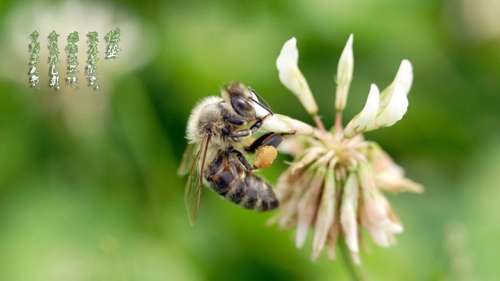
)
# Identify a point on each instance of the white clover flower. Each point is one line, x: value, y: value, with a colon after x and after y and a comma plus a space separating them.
x: 291, y: 76
x: 335, y: 183
x: 281, y: 124
x: 384, y: 110
x: 345, y: 69
x: 394, y: 100
x: 366, y: 118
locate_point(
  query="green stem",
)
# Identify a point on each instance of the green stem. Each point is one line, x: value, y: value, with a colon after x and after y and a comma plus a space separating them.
x: 353, y: 270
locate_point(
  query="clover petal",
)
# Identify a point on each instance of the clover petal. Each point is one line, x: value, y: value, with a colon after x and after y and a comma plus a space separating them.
x: 363, y: 120
x: 394, y: 100
x: 291, y: 76
x: 345, y: 69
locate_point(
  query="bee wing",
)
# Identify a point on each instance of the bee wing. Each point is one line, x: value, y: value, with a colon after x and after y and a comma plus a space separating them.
x: 188, y: 159
x: 194, y: 184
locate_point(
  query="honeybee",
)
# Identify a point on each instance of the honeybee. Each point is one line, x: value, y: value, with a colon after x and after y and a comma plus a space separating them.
x: 215, y: 132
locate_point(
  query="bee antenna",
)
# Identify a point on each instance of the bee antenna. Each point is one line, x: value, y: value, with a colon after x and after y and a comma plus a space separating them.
x: 262, y: 105
x: 260, y: 101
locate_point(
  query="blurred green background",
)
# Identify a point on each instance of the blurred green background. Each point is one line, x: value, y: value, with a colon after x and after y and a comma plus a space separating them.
x: 88, y: 184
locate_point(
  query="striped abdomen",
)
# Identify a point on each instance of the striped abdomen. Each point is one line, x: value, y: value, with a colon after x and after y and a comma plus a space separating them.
x: 229, y: 178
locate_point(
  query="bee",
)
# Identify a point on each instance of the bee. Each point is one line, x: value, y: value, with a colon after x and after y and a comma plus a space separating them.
x: 216, y: 130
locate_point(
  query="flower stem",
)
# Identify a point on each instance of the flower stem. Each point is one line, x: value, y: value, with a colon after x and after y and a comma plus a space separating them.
x: 353, y: 270
x: 318, y: 122
x: 338, y: 123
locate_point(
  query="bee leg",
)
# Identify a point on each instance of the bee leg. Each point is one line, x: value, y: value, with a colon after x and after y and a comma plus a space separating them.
x: 237, y: 135
x: 256, y: 126
x: 241, y: 158
x: 235, y: 120
x: 258, y: 123
x: 271, y: 139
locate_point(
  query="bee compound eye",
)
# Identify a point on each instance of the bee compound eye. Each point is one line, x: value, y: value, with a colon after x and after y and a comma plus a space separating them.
x: 242, y: 106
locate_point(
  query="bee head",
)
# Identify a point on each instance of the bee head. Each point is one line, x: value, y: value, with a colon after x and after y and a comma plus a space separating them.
x: 244, y: 101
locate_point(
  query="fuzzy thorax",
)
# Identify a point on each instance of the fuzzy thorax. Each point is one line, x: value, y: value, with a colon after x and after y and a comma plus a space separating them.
x: 204, y: 113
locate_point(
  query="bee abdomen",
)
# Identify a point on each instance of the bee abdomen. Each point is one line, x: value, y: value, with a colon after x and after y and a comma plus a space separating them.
x: 240, y: 186
x: 222, y: 182
x: 250, y: 193
x: 251, y: 199
x: 237, y: 193
x: 259, y: 195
